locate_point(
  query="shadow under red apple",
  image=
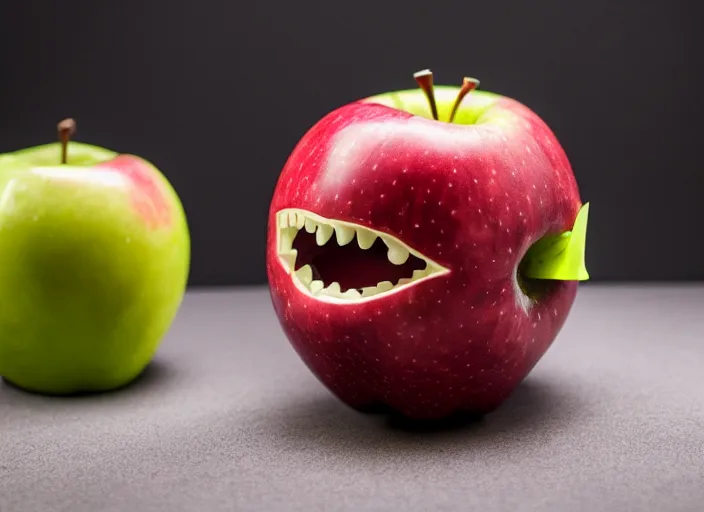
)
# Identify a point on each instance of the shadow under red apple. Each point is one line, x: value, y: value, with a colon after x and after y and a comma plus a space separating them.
x: 537, y: 407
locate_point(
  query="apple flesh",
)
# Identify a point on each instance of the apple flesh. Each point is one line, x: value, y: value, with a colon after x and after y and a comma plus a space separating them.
x: 94, y: 259
x: 395, y: 247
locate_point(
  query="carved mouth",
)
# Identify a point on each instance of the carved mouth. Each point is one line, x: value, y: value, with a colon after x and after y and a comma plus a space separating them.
x: 339, y: 261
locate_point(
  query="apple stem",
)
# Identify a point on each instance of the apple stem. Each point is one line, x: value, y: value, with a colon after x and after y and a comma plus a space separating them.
x: 66, y: 129
x: 468, y: 85
x: 425, y: 82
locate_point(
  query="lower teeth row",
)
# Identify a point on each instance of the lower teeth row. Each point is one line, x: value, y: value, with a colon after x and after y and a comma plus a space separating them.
x: 317, y: 287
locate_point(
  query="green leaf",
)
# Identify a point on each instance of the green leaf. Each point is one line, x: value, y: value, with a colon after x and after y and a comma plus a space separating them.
x: 560, y: 257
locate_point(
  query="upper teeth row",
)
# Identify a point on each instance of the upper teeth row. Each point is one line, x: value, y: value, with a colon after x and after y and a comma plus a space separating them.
x: 324, y: 229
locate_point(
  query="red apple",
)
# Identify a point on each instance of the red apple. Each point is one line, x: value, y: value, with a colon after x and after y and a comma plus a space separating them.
x: 397, y: 248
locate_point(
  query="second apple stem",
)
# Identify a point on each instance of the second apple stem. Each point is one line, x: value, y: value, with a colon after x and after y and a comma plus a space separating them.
x: 468, y: 85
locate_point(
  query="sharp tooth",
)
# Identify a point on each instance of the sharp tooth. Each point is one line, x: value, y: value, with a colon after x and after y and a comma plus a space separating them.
x: 323, y: 234
x: 384, y: 286
x: 305, y: 274
x: 300, y: 221
x: 290, y: 259
x: 316, y: 286
x: 333, y: 289
x: 397, y: 254
x: 343, y: 234
x: 365, y: 238
x: 418, y: 274
x: 291, y: 218
x: 351, y: 294
x: 369, y: 291
x: 283, y: 219
x: 310, y: 225
x: 286, y: 239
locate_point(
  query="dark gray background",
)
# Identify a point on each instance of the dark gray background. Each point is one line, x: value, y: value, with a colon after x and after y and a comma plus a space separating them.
x: 217, y: 93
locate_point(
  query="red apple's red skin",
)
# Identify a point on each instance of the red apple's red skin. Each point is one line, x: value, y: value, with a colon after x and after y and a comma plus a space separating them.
x: 473, y: 199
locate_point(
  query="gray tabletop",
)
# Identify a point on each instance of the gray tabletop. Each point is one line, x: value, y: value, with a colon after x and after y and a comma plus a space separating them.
x: 228, y: 419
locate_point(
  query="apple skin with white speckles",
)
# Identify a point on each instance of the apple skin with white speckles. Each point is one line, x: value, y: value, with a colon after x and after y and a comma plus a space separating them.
x: 472, y: 195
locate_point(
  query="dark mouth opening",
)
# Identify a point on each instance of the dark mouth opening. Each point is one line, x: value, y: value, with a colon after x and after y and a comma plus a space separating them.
x: 349, y: 265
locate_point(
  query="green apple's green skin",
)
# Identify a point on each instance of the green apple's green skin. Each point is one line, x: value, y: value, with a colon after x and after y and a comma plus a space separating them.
x: 94, y: 263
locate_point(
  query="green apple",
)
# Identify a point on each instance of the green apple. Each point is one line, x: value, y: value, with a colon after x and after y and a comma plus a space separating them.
x: 94, y: 261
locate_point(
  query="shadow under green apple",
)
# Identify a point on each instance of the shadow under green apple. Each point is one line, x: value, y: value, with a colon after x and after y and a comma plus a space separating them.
x: 157, y: 375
